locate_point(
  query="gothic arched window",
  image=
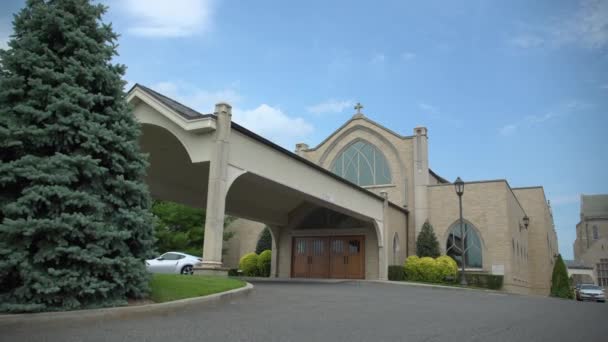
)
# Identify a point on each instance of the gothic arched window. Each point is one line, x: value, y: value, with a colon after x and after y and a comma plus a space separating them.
x: 396, y: 247
x: 363, y: 164
x: 596, y: 233
x: 472, y: 245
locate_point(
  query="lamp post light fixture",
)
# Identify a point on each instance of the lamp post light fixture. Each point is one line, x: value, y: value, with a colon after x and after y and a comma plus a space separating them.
x: 459, y: 187
x: 526, y: 221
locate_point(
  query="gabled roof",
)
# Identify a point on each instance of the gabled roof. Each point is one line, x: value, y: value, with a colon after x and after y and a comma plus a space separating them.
x: 185, y: 111
x: 358, y: 116
x: 191, y: 114
x: 439, y: 178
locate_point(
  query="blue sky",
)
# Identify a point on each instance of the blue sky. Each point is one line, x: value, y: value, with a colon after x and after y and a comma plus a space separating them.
x: 511, y: 89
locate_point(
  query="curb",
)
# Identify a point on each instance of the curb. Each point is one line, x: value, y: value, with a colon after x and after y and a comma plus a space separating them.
x: 445, y: 287
x: 125, y: 311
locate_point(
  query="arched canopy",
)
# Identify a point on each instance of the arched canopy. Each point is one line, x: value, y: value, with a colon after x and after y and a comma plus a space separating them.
x: 363, y: 164
x: 472, y: 245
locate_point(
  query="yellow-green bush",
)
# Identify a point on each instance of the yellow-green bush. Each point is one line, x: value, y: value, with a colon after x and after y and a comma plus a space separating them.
x: 447, y: 266
x: 411, y: 268
x: 264, y: 263
x: 249, y: 264
x: 430, y: 270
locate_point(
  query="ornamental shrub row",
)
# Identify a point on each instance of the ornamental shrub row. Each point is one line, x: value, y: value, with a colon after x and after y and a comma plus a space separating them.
x: 430, y: 270
x: 487, y: 281
x: 253, y: 265
x: 396, y: 273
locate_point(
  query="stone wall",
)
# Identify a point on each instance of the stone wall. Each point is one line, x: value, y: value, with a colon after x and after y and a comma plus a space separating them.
x: 245, y: 239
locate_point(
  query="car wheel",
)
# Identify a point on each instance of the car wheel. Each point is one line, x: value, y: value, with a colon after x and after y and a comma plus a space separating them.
x: 187, y: 270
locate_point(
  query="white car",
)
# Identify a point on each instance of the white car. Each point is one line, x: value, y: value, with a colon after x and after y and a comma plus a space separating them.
x: 173, y: 262
x: 591, y: 292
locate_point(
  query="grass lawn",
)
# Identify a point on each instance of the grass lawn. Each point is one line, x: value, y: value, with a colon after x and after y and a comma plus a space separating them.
x: 168, y: 287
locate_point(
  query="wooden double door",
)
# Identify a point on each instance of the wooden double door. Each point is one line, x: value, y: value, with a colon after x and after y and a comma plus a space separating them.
x: 328, y: 257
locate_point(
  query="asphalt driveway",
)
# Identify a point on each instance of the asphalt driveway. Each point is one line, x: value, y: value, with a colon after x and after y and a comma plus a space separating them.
x: 348, y: 311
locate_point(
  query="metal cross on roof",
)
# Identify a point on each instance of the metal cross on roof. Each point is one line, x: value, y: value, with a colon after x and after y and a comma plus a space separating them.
x: 358, y: 107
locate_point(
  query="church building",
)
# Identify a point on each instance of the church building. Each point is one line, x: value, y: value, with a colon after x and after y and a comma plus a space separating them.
x: 346, y: 208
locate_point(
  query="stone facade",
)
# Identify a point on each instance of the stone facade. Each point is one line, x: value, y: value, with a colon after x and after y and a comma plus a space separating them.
x: 524, y: 255
x: 245, y: 239
x: 591, y: 244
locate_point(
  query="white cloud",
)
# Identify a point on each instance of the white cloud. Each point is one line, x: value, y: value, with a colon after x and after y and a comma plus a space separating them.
x: 587, y: 27
x: 378, y: 58
x: 274, y: 124
x: 428, y: 108
x: 507, y: 130
x: 406, y: 56
x: 330, y: 106
x: 562, y: 110
x: 200, y: 99
x: 526, y: 41
x: 163, y: 18
x: 268, y: 121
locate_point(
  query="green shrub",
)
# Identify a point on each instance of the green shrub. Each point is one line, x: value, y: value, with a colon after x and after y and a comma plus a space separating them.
x: 411, y: 268
x: 427, y: 244
x: 396, y: 272
x: 447, y: 268
x: 233, y: 272
x: 264, y: 242
x: 560, y: 286
x: 487, y: 281
x: 264, y: 260
x: 249, y: 264
x: 427, y: 269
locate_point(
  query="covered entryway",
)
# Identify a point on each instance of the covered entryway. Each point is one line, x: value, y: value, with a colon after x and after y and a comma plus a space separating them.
x: 329, y: 257
x: 208, y: 161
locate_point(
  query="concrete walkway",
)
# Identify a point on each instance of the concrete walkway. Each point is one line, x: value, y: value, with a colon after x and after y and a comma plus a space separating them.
x: 348, y: 311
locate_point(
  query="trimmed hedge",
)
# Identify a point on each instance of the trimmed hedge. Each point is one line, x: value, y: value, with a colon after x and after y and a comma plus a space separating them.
x: 396, y: 272
x: 430, y: 270
x: 249, y: 264
x: 487, y: 281
x: 264, y: 263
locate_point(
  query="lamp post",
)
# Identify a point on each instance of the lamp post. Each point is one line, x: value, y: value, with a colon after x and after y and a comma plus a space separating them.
x: 526, y: 221
x: 459, y: 186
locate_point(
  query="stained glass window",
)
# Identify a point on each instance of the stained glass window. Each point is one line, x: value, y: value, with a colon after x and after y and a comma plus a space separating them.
x: 363, y: 164
x: 472, y: 245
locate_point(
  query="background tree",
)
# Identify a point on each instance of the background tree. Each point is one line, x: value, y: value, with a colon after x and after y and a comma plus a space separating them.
x: 560, y: 285
x: 75, y: 224
x: 264, y: 242
x: 426, y: 244
x: 181, y: 228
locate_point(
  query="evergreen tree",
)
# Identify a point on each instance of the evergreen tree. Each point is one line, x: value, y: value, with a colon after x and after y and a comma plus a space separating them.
x: 75, y: 225
x: 426, y: 244
x: 264, y: 242
x: 560, y: 285
x: 182, y: 228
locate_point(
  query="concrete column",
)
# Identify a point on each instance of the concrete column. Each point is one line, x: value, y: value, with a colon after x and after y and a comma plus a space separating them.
x: 421, y: 178
x: 382, y: 243
x: 216, y: 191
x: 274, y: 263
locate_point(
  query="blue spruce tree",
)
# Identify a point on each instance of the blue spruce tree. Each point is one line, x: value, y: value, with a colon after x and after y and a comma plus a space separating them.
x: 75, y: 224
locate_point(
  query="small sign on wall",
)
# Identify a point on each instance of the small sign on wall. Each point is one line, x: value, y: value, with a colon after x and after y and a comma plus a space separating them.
x: 498, y: 269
